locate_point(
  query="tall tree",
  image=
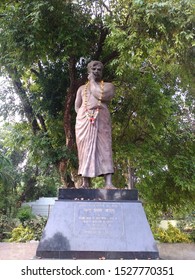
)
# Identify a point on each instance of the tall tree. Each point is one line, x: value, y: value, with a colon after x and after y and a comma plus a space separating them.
x: 48, y: 39
x: 155, y: 41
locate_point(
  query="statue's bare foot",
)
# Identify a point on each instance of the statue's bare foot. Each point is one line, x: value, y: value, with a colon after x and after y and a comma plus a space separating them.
x: 86, y: 183
x: 84, y: 187
x: 109, y: 187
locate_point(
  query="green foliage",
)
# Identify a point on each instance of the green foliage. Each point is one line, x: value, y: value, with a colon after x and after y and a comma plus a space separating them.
x: 153, y: 131
x: 98, y: 182
x: 3, y: 226
x: 37, y: 226
x: 7, y: 224
x: 154, y: 213
x: 40, y: 39
x: 157, y: 32
x: 188, y: 225
x: 24, y: 214
x: 21, y: 234
x: 8, y: 195
x: 30, y: 229
x: 5, y: 165
x: 171, y: 235
x: 33, y: 162
x: 44, y: 29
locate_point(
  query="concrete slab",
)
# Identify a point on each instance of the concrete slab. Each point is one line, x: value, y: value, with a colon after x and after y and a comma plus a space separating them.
x: 27, y: 251
x: 176, y: 251
x: 18, y: 251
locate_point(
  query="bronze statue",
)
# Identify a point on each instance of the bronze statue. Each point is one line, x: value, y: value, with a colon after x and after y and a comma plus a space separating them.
x: 93, y: 127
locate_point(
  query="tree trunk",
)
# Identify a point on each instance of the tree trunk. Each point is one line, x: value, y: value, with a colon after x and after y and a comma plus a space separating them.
x: 130, y: 176
x: 69, y: 105
x: 30, y: 115
x: 69, y: 124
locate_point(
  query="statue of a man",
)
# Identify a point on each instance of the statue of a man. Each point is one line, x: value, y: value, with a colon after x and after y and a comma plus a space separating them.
x: 93, y: 127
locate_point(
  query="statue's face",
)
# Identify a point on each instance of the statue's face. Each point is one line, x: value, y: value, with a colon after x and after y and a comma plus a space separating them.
x: 96, y: 70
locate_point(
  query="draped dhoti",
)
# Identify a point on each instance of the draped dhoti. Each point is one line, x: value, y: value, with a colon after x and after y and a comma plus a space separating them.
x: 94, y: 143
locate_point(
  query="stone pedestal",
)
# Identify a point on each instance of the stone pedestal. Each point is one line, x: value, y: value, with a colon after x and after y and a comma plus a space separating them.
x: 93, y: 224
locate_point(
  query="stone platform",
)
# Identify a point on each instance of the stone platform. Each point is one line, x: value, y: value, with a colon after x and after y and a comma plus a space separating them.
x: 94, y: 224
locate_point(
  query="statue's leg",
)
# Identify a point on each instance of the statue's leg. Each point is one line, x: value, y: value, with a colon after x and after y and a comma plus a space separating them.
x: 108, y: 181
x: 86, y: 183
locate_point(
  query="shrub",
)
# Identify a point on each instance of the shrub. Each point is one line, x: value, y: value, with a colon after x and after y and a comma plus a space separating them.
x: 37, y: 226
x: 29, y: 230
x: 170, y: 235
x: 21, y: 234
x: 6, y: 226
x: 24, y: 214
x: 188, y: 226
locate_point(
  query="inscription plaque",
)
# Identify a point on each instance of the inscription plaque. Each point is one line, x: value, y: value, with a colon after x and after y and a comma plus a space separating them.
x: 99, y: 220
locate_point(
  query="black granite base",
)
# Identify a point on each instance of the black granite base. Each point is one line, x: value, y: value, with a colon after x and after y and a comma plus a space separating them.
x: 80, y: 227
x: 95, y: 255
x: 98, y: 194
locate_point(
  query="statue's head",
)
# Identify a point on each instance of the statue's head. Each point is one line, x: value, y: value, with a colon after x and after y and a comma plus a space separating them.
x: 95, y: 67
